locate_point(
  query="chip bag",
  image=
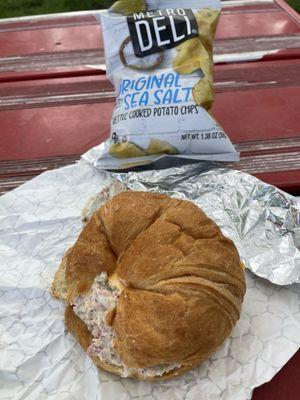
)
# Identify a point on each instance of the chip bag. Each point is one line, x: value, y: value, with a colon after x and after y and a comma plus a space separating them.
x: 159, y: 58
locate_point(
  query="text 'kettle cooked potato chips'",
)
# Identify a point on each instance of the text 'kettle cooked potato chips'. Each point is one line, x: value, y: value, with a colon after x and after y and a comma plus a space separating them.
x: 159, y: 58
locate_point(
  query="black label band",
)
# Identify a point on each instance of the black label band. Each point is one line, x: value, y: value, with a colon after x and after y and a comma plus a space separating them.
x: 157, y: 30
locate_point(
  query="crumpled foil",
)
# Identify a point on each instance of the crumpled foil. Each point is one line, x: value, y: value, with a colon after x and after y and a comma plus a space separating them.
x: 40, y: 220
x: 263, y: 221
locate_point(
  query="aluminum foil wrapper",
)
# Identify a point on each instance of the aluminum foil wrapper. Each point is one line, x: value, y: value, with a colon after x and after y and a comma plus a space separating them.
x: 263, y: 221
x: 40, y: 220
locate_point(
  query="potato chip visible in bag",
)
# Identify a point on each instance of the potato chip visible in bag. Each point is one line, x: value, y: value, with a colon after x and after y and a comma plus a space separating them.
x: 126, y: 7
x: 159, y: 147
x: 125, y: 150
x: 203, y: 93
x: 159, y: 58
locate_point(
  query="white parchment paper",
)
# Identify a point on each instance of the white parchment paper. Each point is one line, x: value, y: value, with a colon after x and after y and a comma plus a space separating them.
x: 40, y: 360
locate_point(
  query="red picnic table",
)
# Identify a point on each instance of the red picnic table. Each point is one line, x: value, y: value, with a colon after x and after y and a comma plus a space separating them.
x: 52, y: 75
x: 56, y: 103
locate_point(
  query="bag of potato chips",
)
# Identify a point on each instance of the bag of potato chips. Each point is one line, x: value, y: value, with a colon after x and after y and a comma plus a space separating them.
x: 159, y: 58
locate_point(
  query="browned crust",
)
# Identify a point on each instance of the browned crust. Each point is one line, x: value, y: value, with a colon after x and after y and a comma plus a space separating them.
x: 184, y: 285
x: 91, y: 255
x: 59, y: 288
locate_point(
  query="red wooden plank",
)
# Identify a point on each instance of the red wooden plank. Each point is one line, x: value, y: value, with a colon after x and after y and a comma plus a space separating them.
x: 15, y: 173
x: 259, y: 114
x: 54, y: 73
x: 284, y: 386
x: 49, y: 92
x: 72, y: 129
x: 47, y: 21
x: 52, y: 131
x: 289, y: 10
x: 256, y: 24
x: 257, y: 75
x: 72, y: 45
x: 86, y: 36
x: 285, y: 180
x: 228, y: 78
x: 50, y: 40
x: 254, y: 102
x: 76, y: 63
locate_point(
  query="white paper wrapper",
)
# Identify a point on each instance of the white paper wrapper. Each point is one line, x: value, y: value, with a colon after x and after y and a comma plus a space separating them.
x: 40, y: 360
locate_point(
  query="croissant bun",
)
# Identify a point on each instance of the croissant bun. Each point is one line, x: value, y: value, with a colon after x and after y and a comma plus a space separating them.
x: 181, y: 285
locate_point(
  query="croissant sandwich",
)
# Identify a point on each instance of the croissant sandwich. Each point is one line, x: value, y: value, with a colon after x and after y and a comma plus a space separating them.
x: 152, y: 285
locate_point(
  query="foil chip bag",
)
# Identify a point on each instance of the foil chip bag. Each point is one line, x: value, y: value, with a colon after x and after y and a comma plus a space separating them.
x: 159, y: 57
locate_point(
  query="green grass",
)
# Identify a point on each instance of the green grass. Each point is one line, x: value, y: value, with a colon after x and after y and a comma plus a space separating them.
x: 295, y: 4
x: 17, y: 8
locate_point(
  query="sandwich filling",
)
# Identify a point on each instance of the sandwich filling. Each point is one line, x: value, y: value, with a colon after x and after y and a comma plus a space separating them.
x: 92, y: 309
